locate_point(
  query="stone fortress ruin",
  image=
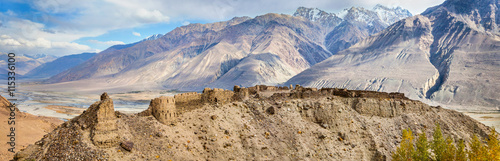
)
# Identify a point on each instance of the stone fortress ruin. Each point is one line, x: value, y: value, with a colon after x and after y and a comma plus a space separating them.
x: 167, y: 108
x: 351, y: 124
x: 101, y: 118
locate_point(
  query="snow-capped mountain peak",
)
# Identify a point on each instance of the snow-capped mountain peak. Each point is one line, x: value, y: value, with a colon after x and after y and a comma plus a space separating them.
x: 390, y: 15
x: 317, y: 15
x: 379, y: 14
x: 361, y: 15
x: 153, y: 37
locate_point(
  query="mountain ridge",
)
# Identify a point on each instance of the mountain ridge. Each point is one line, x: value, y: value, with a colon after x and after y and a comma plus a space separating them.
x: 58, y: 65
x: 266, y: 49
x: 459, y: 58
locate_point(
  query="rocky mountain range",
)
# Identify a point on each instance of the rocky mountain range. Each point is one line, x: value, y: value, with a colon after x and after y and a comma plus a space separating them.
x: 267, y: 49
x: 449, y: 54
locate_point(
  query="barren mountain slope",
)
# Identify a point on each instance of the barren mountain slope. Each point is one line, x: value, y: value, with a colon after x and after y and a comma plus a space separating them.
x: 448, y: 54
x: 256, y: 123
x: 268, y: 49
x: 393, y: 60
x: 196, y: 55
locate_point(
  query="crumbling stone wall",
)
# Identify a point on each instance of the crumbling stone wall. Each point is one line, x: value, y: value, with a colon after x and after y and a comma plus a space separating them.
x: 240, y: 93
x: 217, y: 95
x: 167, y: 110
x: 302, y: 92
x: 188, y: 101
x: 244, y: 93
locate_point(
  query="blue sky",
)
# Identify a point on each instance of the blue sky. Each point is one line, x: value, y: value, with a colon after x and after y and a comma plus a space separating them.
x: 62, y: 27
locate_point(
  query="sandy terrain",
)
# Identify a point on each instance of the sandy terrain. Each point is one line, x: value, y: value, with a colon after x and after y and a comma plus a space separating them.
x: 66, y: 109
x: 28, y: 129
x: 491, y: 119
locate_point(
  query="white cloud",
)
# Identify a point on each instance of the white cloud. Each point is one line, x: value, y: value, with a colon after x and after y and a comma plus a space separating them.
x: 147, y: 16
x: 27, y: 37
x: 10, y: 13
x: 101, y: 16
x: 9, y: 42
x: 186, y: 23
x: 110, y: 43
x: 41, y: 46
x: 136, y: 34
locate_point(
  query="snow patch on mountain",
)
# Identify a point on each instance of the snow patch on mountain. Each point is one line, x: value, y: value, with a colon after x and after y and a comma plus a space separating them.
x: 390, y: 15
x: 379, y: 14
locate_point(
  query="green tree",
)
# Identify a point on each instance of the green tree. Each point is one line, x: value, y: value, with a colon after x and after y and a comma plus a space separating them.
x: 405, y: 150
x: 438, y: 145
x: 422, y: 151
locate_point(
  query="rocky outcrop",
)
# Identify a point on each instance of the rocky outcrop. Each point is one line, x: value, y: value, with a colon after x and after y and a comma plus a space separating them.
x: 4, y: 103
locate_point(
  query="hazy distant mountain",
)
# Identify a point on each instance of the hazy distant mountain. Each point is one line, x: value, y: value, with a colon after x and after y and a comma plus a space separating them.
x: 59, y: 65
x: 267, y: 49
x: 25, y: 63
x: 449, y: 54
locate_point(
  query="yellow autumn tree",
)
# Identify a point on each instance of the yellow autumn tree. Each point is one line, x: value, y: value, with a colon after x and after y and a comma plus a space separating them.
x: 477, y: 152
x: 493, y: 146
x: 405, y: 150
x: 461, y: 153
x: 445, y: 149
x: 449, y: 150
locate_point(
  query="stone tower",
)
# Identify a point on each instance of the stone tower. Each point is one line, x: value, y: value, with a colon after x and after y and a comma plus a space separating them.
x: 100, y: 118
x: 163, y: 109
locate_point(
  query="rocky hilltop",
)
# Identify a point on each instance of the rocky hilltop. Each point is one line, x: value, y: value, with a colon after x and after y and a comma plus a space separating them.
x: 448, y: 54
x: 254, y: 123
